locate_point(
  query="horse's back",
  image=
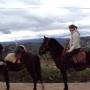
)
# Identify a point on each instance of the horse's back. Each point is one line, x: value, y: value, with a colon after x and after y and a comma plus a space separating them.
x: 31, y: 59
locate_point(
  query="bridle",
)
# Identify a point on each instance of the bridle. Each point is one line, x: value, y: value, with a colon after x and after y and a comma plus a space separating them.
x: 46, y: 45
x: 46, y: 48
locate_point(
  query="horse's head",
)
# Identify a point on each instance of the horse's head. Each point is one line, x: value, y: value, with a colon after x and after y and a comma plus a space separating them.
x: 1, y: 48
x: 19, y: 51
x: 51, y: 45
x: 45, y: 46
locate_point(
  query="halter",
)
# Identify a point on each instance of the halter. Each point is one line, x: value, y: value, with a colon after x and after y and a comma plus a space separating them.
x: 46, y: 45
x: 46, y: 48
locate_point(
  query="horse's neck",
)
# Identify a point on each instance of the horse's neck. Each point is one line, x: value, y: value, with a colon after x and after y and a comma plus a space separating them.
x: 27, y: 55
x: 56, y: 53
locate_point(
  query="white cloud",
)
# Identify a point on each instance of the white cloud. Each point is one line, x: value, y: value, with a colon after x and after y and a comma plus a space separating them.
x: 53, y: 32
x: 11, y: 4
x: 44, y: 3
x: 84, y: 21
x: 17, y: 36
x: 47, y: 11
x: 67, y: 3
x: 30, y: 34
x: 22, y: 19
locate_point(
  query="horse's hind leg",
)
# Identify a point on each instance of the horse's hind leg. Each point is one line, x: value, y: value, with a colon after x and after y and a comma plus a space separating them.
x: 42, y: 85
x: 35, y: 85
x: 6, y: 76
x: 41, y: 81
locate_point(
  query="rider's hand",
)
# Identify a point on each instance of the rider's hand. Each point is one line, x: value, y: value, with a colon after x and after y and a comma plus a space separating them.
x: 66, y: 50
x: 69, y: 51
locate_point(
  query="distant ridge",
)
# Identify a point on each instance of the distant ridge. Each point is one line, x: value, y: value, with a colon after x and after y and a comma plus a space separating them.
x: 63, y: 41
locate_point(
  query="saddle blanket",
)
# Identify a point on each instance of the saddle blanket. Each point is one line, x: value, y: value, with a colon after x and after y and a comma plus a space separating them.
x: 80, y: 57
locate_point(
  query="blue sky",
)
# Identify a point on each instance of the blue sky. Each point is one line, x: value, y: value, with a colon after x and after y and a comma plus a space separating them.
x: 24, y: 19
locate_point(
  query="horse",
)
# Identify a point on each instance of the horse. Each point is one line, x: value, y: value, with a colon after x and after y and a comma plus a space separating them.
x: 3, y: 68
x: 30, y: 61
x: 4, y: 72
x: 56, y: 51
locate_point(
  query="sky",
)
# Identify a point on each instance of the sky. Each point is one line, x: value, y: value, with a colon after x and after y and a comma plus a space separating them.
x: 30, y: 19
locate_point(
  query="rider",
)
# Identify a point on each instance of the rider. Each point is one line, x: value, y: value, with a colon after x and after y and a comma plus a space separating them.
x: 74, y: 43
x: 18, y: 52
x: 16, y: 56
x: 14, y: 59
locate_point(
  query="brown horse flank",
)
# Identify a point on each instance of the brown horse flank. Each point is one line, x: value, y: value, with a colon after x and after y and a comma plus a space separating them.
x: 56, y: 51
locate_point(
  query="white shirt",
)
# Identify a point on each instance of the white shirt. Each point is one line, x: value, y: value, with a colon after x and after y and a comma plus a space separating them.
x: 74, y: 42
x: 11, y: 57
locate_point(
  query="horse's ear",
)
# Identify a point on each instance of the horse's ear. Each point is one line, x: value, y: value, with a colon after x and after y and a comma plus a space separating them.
x: 45, y: 37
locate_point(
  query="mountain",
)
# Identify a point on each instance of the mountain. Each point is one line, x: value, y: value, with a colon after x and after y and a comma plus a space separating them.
x: 34, y: 44
x: 85, y: 41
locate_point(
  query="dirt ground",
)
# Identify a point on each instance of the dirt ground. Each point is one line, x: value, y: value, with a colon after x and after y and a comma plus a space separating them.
x: 48, y: 86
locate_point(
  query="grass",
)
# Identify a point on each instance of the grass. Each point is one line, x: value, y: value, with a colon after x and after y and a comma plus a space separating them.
x: 51, y: 75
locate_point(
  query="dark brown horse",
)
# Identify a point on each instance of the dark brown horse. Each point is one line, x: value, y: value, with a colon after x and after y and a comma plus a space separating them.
x: 4, y: 68
x: 56, y: 51
x: 31, y: 63
x: 4, y: 72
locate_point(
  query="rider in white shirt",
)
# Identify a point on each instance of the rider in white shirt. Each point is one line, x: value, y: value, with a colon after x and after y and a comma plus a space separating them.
x: 74, y: 43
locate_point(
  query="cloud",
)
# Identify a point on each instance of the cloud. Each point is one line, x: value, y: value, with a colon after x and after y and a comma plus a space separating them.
x: 22, y: 19
x: 31, y: 2
x: 49, y: 17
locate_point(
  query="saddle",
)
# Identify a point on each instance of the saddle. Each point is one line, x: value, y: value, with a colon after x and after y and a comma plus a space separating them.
x: 80, y: 57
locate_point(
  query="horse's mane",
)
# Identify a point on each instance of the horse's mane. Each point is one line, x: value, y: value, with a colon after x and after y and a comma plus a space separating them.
x: 56, y: 46
x: 56, y: 43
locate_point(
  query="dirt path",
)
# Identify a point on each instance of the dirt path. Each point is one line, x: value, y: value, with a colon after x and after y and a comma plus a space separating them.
x: 48, y: 86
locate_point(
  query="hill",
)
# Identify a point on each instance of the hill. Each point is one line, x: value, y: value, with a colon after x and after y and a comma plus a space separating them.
x: 34, y: 44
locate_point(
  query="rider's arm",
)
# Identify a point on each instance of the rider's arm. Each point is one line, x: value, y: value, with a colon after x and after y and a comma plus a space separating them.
x: 75, y: 41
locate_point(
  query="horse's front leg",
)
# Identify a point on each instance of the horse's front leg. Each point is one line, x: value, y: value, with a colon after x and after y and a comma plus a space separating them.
x: 35, y: 85
x: 42, y: 84
x: 6, y: 77
x: 64, y: 74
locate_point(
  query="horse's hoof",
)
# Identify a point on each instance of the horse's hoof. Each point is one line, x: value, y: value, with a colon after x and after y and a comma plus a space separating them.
x: 65, y: 88
x: 34, y: 89
x: 7, y: 89
x: 43, y: 87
